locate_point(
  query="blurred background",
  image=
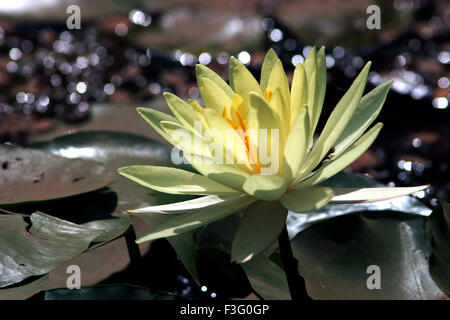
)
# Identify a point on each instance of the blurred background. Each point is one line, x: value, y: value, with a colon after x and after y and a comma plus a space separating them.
x: 54, y: 81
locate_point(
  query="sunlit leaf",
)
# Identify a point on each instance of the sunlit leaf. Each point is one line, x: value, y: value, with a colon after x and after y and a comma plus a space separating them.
x: 45, y: 176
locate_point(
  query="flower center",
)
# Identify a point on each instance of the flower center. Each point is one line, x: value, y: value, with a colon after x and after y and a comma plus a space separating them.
x: 240, y: 126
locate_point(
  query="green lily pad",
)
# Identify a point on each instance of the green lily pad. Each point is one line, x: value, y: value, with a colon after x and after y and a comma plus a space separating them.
x: 36, y: 244
x: 45, y: 176
x: 108, y: 292
x: 117, y: 149
x: 22, y: 292
x: 439, y: 227
x: 334, y: 257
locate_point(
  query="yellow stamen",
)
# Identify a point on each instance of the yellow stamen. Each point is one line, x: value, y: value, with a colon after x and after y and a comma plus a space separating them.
x: 267, y: 94
x: 241, y: 129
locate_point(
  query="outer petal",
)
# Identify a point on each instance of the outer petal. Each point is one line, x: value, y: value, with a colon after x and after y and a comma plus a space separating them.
x: 201, y: 158
x: 261, y: 225
x: 299, y: 91
x: 174, y: 181
x: 337, y: 121
x: 278, y: 103
x: 319, y: 94
x: 265, y: 187
x: 198, y: 110
x: 242, y: 81
x: 307, y: 199
x: 154, y: 118
x: 334, y: 166
x: 313, y: 84
x: 228, y: 175
x: 225, y: 174
x: 296, y: 146
x: 182, y: 110
x: 204, y: 72
x: 361, y: 195
x: 365, y: 113
x: 213, y: 96
x: 191, y: 144
x: 197, y: 213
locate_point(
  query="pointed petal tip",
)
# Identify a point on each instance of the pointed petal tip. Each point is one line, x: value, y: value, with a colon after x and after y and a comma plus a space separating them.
x: 312, y: 51
x: 139, y: 241
x: 130, y: 212
x: 272, y: 52
x: 241, y: 260
x: 233, y: 60
x: 167, y: 95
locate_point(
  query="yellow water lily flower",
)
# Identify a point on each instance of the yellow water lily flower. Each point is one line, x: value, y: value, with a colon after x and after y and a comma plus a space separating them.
x: 253, y: 146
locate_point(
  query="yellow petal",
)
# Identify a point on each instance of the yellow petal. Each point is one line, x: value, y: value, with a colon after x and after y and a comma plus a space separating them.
x: 351, y: 154
x: 154, y: 118
x: 194, y: 148
x: 279, y: 104
x: 363, y: 195
x: 268, y: 135
x: 182, y: 111
x: 299, y: 91
x: 224, y: 135
x: 201, y: 157
x: 203, y: 71
x: 213, y: 96
x: 296, y: 145
x: 174, y: 181
x: 198, y: 110
x: 273, y: 77
x: 238, y: 105
x: 265, y: 187
x: 337, y: 121
x: 307, y: 199
x: 242, y: 81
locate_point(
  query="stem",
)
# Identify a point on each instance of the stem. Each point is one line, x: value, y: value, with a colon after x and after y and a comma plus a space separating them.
x: 133, y: 248
x: 295, y: 281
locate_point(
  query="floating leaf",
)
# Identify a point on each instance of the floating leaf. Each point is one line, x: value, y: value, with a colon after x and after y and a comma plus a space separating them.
x: 22, y: 292
x: 117, y: 149
x: 334, y: 257
x: 439, y: 226
x: 45, y: 176
x: 35, y: 245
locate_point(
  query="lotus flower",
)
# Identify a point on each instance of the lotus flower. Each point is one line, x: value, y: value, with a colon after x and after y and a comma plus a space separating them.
x: 272, y: 164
